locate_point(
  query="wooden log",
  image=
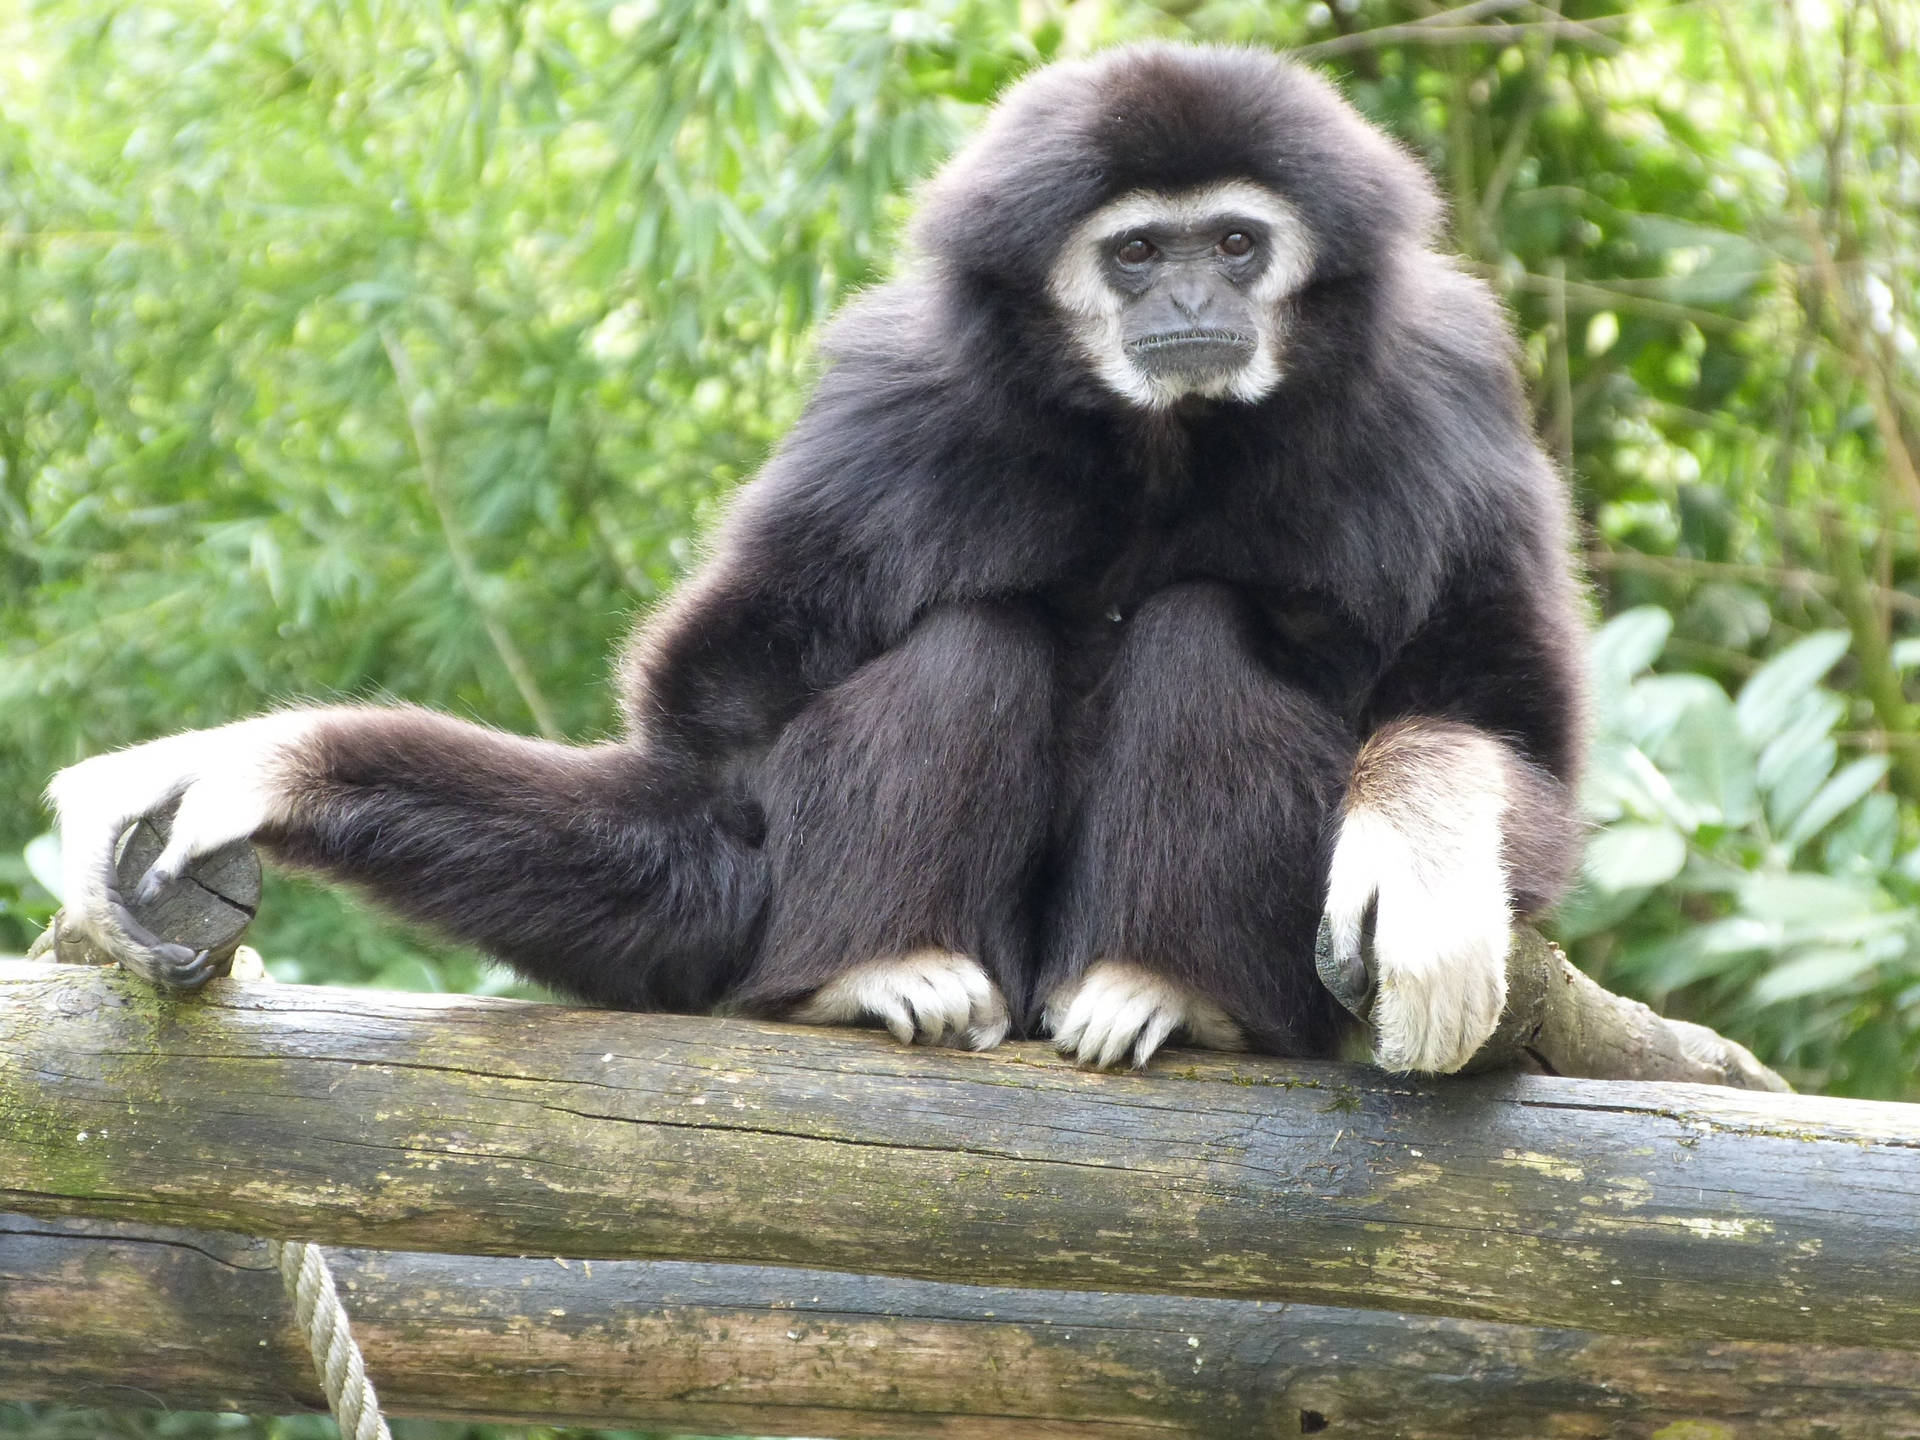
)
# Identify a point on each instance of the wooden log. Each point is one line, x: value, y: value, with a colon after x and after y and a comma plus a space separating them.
x: 122, y: 1315
x: 469, y: 1125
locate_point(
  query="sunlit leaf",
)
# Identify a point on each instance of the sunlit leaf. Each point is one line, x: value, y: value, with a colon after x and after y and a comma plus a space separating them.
x: 1768, y: 696
x: 1844, y: 789
x: 1812, y: 972
x: 1634, y: 857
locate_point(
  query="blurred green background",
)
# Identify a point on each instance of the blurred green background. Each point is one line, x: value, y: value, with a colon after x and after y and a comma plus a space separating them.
x: 401, y: 348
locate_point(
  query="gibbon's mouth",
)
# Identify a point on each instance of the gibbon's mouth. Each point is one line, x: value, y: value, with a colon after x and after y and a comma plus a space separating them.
x: 1195, y: 353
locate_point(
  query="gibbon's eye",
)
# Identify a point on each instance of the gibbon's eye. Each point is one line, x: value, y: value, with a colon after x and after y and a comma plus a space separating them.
x: 1236, y: 244
x: 1136, y: 251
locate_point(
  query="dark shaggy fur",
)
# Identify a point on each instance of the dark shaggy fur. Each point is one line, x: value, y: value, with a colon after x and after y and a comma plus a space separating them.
x: 893, y: 711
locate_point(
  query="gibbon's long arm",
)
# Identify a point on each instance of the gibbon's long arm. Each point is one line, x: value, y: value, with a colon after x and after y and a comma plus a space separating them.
x: 1459, y: 814
x: 626, y: 873
x: 609, y: 872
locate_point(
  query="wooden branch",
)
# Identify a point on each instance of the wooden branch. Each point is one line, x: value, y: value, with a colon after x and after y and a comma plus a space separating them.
x: 1562, y: 1021
x: 123, y: 1315
x: 490, y: 1126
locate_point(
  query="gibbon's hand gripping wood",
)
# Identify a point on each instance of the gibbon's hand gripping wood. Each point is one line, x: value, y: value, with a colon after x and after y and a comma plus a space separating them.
x: 1559, y: 1021
x: 207, y: 909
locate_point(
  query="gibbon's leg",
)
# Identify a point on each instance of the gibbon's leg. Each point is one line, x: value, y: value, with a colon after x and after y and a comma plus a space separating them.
x: 1445, y: 832
x: 596, y: 870
x: 906, y: 811
x: 1193, y: 862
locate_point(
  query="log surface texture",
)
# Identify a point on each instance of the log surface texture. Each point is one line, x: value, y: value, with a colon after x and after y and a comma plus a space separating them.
x: 105, y: 1314
x: 453, y: 1124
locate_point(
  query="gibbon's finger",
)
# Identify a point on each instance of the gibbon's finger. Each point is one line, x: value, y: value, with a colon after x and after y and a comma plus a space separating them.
x: 925, y: 998
x: 989, y: 1021
x: 1092, y: 1010
x: 893, y: 1012
x: 1123, y: 1025
x: 1440, y: 962
x: 178, y: 967
x: 1066, y: 1034
x: 1347, y: 970
x: 953, y: 1006
x: 1163, y: 1024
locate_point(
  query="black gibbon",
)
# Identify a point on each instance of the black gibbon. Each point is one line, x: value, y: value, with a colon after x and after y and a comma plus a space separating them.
x: 1163, y: 570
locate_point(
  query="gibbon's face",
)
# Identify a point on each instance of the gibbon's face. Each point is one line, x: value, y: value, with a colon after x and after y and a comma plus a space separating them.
x: 1171, y: 295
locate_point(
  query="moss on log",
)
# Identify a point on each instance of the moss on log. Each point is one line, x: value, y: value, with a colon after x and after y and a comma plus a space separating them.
x: 486, y: 1126
x: 137, y: 1316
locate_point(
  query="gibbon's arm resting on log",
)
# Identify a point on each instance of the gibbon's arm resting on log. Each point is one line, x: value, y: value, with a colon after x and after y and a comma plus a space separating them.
x: 1162, y: 577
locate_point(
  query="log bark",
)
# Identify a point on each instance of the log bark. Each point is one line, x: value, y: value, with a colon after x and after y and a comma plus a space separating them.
x: 114, y: 1314
x: 442, y: 1123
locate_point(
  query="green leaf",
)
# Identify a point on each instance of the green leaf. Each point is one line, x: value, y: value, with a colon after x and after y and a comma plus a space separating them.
x: 1814, y: 972
x: 1709, y: 759
x: 1770, y: 692
x: 1629, y: 643
x: 1786, y: 898
x: 1634, y: 857
x: 1706, y: 950
x: 42, y: 855
x: 1810, y: 721
x: 1588, y: 910
x: 1850, y: 785
x: 1799, y: 782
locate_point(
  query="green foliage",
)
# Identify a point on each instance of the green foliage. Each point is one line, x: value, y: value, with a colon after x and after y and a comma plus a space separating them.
x: 1742, y: 872
x: 403, y: 350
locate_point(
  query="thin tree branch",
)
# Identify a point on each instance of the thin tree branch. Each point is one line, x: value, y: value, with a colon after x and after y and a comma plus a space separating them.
x: 1852, y: 347
x: 1780, y: 577
x: 1879, y: 679
x: 1460, y: 26
x: 464, y: 565
x: 1514, y: 151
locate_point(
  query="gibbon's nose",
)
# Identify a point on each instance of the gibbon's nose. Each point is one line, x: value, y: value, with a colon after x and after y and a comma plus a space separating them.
x: 1192, y: 296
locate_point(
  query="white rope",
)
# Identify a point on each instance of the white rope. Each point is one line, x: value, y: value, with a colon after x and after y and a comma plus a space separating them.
x: 336, y: 1358
x: 316, y: 1305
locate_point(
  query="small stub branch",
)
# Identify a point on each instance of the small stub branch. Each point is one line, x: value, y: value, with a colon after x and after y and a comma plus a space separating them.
x: 1565, y: 1024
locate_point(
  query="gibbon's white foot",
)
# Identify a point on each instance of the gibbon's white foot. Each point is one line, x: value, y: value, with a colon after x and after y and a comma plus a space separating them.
x: 1418, y: 863
x: 930, y: 996
x: 226, y: 783
x: 1120, y: 1011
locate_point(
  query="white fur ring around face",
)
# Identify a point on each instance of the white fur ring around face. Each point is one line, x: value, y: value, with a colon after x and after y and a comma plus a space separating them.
x: 1442, y: 922
x: 1117, y: 1011
x: 930, y: 996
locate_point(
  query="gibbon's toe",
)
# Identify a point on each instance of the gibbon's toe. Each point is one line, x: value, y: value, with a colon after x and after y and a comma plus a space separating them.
x: 929, y: 997
x: 1119, y: 1011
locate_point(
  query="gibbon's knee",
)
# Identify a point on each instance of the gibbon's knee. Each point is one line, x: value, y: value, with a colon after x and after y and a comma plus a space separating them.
x: 907, y: 807
x: 1196, y: 847
x: 1189, y: 626
x: 1445, y: 833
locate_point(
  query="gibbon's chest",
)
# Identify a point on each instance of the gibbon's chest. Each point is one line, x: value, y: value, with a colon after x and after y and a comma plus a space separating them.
x: 1183, y: 526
